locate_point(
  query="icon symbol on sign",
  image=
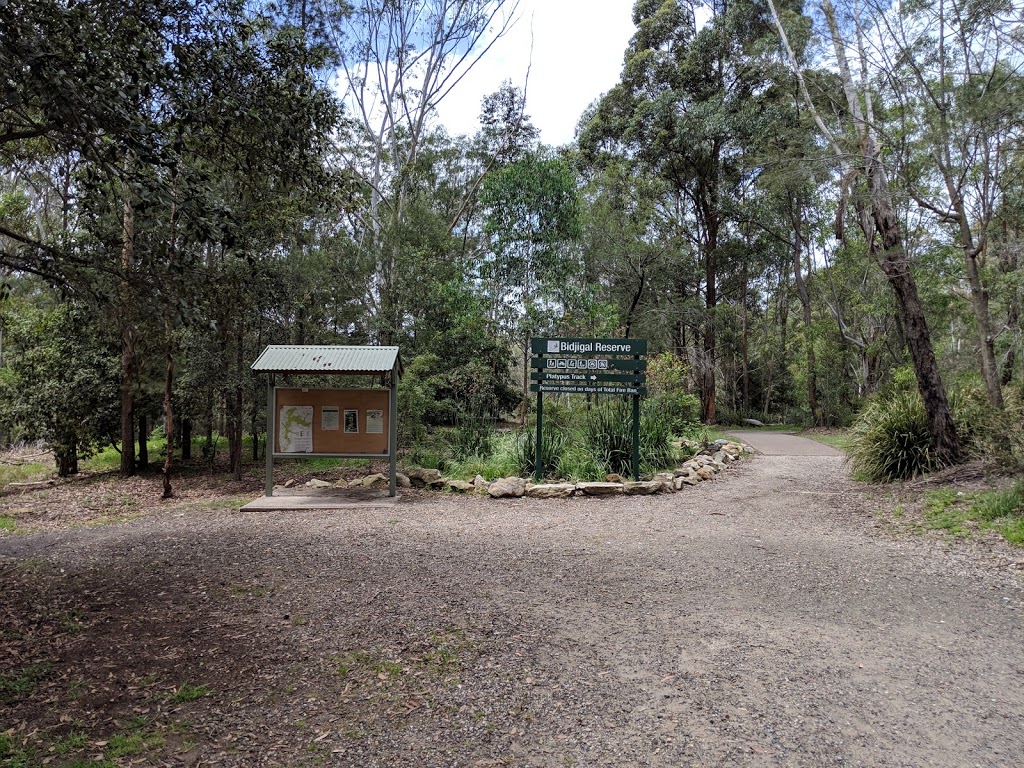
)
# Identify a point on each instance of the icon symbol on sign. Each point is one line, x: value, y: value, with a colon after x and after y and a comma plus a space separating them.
x: 552, y: 345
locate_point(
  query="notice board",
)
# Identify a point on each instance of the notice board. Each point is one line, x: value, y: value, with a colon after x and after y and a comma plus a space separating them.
x: 330, y: 421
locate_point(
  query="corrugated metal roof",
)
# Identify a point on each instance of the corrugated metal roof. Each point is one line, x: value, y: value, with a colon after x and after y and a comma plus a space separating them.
x: 287, y: 358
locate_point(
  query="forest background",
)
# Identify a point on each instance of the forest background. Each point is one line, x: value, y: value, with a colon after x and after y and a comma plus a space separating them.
x: 804, y: 207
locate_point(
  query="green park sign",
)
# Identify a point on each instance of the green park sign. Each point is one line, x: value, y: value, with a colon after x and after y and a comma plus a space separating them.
x: 591, y: 347
x: 588, y: 367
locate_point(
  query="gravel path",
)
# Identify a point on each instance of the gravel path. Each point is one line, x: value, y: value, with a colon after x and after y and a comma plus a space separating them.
x: 760, y: 619
x: 784, y: 444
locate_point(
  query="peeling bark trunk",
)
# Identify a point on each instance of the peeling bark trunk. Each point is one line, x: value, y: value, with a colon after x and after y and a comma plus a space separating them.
x: 168, y: 424
x: 127, y: 335
x: 805, y: 305
x: 143, y: 442
x: 892, y: 258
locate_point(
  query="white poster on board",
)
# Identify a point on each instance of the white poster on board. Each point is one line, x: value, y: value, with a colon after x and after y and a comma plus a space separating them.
x: 375, y: 422
x: 329, y: 418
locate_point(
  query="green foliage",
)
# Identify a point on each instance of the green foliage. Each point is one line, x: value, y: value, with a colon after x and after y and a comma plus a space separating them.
x: 666, y: 384
x: 58, y: 383
x: 552, y: 446
x: 443, y: 390
x: 473, y: 436
x: 608, y: 432
x: 890, y: 439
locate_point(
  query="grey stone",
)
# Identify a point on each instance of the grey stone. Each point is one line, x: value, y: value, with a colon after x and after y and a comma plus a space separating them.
x: 375, y: 480
x: 599, y: 489
x: 686, y: 480
x: 753, y: 422
x: 642, y: 487
x: 421, y: 477
x: 507, y: 487
x: 402, y: 481
x: 317, y: 483
x: 460, y: 485
x: 551, y: 491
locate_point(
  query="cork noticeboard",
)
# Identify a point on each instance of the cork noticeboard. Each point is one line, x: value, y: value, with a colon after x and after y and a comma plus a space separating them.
x: 353, y: 421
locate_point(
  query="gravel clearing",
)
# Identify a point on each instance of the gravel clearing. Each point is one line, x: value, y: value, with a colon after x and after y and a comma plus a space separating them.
x: 765, y: 618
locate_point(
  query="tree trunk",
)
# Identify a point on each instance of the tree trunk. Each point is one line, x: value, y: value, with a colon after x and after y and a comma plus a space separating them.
x: 143, y: 462
x: 168, y: 423
x: 708, y: 384
x: 67, y: 458
x: 186, y: 438
x: 805, y: 305
x: 744, y: 344
x: 235, y: 402
x: 982, y: 320
x: 882, y: 232
x: 127, y: 334
x: 892, y: 258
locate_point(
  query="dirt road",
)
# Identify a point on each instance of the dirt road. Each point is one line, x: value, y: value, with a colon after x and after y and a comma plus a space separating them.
x: 784, y: 444
x: 757, y: 620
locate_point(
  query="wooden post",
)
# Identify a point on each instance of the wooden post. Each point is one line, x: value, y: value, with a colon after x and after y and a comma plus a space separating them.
x: 269, y: 450
x: 393, y: 432
x: 538, y: 464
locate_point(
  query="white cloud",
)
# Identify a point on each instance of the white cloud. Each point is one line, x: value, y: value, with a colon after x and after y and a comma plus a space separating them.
x: 577, y: 49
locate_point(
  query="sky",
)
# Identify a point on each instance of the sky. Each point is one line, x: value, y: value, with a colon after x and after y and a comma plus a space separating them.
x: 577, y: 55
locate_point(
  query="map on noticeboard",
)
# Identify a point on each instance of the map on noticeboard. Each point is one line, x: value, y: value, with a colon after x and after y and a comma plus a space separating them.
x: 296, y: 429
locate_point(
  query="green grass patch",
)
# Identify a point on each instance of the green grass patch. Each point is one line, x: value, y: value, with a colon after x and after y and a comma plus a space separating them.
x: 1003, y: 511
x: 18, y: 684
x: 7, y: 524
x: 947, y: 510
x: 223, y: 504
x: 961, y: 514
x: 137, y: 743
x: 25, y: 473
x: 72, y: 742
x: 189, y: 692
x: 840, y: 440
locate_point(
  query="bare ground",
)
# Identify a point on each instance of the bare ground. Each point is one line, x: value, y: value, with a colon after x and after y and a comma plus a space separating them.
x: 767, y: 618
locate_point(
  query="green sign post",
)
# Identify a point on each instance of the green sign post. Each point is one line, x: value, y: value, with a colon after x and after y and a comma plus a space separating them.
x: 588, y: 367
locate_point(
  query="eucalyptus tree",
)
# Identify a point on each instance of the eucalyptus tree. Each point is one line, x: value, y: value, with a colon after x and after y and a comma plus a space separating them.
x: 183, y: 166
x: 688, y: 106
x: 532, y: 220
x: 857, y: 150
x: 399, y: 60
x: 949, y: 73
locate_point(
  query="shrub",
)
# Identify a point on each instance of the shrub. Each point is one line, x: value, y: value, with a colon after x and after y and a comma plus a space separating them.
x: 985, y: 430
x: 608, y: 432
x: 666, y: 382
x: 473, y: 436
x: 890, y: 439
x: 553, y: 444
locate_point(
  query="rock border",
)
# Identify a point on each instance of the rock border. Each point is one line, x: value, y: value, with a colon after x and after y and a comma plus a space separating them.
x: 709, y: 460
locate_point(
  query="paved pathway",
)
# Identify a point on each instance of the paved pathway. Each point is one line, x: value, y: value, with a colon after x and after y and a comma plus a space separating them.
x: 784, y: 444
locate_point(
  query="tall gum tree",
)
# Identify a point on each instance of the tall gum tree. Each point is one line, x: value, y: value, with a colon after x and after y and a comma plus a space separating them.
x: 400, y: 59
x: 946, y: 69
x: 688, y: 106
x: 858, y: 153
